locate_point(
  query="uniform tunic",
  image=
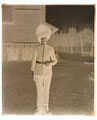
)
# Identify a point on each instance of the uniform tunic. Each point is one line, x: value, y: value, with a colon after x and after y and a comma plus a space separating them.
x: 42, y: 54
x: 43, y: 73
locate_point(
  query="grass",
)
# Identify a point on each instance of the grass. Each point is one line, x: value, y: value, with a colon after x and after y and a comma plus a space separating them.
x: 71, y: 91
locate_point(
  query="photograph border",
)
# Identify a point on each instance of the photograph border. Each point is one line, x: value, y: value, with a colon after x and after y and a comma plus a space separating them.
x: 48, y: 2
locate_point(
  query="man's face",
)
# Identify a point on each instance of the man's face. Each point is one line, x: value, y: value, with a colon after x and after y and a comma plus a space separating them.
x: 44, y: 40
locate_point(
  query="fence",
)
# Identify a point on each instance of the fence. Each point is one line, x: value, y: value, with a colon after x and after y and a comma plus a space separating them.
x: 14, y: 51
x: 72, y: 44
x: 23, y: 52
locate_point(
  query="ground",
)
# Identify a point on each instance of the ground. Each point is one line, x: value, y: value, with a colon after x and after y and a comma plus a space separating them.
x: 71, y: 91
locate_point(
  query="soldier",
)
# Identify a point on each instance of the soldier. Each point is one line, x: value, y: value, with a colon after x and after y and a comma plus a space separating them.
x: 43, y: 60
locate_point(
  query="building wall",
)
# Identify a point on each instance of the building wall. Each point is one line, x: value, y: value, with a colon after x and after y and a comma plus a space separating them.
x: 23, y: 26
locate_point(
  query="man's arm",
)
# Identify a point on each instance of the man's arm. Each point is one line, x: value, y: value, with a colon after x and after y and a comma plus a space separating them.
x: 33, y: 61
x: 53, y: 57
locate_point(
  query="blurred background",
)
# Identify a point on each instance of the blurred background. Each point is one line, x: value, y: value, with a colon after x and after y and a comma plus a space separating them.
x: 73, y: 76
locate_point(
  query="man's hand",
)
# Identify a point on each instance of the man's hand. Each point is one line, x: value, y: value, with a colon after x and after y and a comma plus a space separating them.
x: 48, y: 63
x: 32, y: 74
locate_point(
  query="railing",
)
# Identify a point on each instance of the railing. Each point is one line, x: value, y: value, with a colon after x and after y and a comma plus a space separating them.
x: 14, y: 51
x: 23, y: 52
x: 65, y: 43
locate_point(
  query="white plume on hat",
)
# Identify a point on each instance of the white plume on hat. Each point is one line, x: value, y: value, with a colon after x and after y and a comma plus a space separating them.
x: 44, y: 30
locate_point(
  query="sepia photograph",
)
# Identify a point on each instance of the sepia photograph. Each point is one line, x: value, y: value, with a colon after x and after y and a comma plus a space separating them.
x: 48, y: 59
